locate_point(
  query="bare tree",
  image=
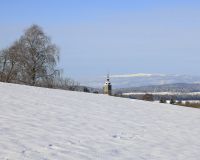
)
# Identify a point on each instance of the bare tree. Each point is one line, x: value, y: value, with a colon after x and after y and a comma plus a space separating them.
x: 39, y: 56
x: 9, y: 63
x: 3, y: 64
x: 32, y: 60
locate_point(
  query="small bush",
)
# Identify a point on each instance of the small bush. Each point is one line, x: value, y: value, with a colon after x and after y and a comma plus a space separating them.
x: 162, y: 100
x: 172, y: 101
x: 85, y: 89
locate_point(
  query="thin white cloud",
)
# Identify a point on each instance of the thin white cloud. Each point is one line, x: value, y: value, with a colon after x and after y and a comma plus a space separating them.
x: 135, y: 75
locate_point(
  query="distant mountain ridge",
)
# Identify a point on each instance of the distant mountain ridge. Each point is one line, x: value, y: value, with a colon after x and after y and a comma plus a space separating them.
x: 177, y: 87
x: 141, y: 79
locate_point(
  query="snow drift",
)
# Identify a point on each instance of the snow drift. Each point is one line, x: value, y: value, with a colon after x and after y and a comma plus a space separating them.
x: 48, y: 124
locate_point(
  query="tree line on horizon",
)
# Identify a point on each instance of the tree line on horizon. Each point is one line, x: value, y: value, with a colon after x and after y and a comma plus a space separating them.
x: 32, y: 60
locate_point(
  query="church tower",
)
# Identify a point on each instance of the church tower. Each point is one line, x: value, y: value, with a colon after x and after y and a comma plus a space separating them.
x: 107, y: 89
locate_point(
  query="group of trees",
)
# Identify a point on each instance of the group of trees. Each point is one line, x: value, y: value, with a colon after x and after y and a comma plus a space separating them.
x: 164, y: 100
x: 150, y: 97
x: 32, y: 60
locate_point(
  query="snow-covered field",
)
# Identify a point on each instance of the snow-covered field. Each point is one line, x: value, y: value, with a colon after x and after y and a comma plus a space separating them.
x: 45, y: 124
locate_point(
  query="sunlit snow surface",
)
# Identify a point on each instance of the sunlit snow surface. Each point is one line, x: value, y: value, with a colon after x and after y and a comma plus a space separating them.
x: 47, y: 124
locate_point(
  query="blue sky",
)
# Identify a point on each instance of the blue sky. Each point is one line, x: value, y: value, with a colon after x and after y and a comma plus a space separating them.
x: 116, y: 36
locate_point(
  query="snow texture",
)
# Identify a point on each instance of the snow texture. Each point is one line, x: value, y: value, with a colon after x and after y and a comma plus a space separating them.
x: 49, y: 124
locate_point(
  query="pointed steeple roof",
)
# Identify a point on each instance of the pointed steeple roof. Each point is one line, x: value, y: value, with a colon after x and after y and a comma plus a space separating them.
x: 108, y: 77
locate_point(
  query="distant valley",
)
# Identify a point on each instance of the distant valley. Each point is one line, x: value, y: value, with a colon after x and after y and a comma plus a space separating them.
x: 177, y: 87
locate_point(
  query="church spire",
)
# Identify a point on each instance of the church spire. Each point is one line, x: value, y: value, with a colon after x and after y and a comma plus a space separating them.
x: 107, y: 89
x: 108, y: 77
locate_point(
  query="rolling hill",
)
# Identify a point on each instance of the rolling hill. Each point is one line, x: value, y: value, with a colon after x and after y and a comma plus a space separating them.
x: 48, y: 124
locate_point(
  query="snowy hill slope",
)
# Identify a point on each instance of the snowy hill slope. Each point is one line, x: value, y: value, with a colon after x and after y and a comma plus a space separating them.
x: 45, y: 124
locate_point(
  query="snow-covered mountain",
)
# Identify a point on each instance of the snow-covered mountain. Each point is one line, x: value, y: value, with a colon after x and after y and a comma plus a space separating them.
x: 137, y: 80
x: 49, y: 124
